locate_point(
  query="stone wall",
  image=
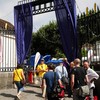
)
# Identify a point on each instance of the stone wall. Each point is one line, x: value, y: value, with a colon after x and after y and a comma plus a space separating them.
x: 6, y: 80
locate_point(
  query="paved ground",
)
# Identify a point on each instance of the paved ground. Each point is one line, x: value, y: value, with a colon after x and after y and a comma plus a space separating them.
x: 30, y: 93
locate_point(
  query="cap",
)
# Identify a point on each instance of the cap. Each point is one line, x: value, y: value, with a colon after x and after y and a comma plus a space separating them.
x: 42, y: 59
x: 60, y: 61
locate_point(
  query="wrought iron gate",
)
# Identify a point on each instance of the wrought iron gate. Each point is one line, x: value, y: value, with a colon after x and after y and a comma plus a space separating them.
x: 89, y: 38
x: 7, y: 50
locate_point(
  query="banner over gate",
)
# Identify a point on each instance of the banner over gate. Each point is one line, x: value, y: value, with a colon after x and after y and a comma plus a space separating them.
x: 23, y: 29
x: 66, y: 18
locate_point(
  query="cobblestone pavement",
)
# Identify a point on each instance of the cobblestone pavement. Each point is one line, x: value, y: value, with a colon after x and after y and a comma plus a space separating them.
x: 30, y: 93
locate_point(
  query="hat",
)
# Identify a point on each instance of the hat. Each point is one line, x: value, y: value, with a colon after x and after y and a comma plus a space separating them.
x: 60, y: 61
x: 42, y: 59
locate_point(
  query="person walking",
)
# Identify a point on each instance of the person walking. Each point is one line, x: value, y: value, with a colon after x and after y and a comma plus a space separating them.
x: 92, y: 75
x: 18, y: 75
x: 63, y: 74
x: 48, y: 80
x: 41, y: 69
x: 61, y: 70
x: 78, y: 78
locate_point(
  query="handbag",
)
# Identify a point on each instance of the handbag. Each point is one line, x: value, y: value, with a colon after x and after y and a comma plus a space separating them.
x: 64, y: 79
x: 22, y: 82
x: 61, y: 94
x: 84, y: 91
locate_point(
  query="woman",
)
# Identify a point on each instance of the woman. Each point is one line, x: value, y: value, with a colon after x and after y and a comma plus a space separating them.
x: 18, y: 75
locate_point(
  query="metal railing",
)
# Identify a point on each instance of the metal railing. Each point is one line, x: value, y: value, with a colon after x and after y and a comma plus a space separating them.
x: 89, y: 38
x: 7, y: 50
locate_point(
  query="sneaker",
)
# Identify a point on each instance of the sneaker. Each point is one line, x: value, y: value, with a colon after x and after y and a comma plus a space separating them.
x: 17, y: 98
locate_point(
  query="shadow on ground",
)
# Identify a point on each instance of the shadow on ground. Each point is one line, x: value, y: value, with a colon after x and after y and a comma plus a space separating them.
x: 7, y: 95
x: 33, y: 92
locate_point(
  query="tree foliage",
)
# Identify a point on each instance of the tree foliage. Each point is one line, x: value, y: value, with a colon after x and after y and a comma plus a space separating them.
x: 47, y: 40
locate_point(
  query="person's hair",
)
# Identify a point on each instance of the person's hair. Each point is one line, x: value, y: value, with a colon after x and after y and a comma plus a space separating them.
x: 51, y: 66
x: 85, y: 61
x: 77, y: 61
x: 19, y: 66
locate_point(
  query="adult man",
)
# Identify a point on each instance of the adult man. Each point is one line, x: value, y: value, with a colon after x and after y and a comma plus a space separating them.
x: 69, y: 85
x: 41, y: 69
x: 92, y: 75
x: 61, y: 70
x: 48, y: 80
x: 78, y: 77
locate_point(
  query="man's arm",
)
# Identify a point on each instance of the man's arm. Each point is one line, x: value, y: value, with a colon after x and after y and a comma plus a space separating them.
x: 94, y: 75
x: 60, y: 83
x: 87, y: 79
x: 72, y: 81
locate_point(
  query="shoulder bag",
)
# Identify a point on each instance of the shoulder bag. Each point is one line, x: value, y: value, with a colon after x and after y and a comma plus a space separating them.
x: 64, y: 79
x: 83, y: 90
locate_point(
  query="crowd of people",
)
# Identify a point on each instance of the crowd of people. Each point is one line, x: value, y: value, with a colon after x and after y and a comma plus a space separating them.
x: 76, y: 74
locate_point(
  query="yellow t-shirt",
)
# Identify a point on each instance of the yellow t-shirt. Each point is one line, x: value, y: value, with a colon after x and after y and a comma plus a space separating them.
x: 17, y: 74
x: 41, y: 67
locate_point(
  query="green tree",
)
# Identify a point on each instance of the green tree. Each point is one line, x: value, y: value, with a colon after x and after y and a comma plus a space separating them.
x: 46, y: 40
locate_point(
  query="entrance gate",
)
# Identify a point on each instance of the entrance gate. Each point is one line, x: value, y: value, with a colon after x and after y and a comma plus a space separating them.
x: 66, y: 18
x: 39, y: 6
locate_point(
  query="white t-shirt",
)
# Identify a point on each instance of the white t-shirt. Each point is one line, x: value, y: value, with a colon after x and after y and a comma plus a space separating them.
x: 91, y: 75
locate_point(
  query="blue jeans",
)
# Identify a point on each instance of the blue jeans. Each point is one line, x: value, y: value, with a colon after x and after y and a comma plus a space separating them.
x: 19, y: 86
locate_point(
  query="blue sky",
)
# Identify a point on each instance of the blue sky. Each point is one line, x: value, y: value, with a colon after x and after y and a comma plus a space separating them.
x: 6, y: 12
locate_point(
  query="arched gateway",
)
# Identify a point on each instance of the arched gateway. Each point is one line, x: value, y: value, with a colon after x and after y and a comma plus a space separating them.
x: 66, y: 18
